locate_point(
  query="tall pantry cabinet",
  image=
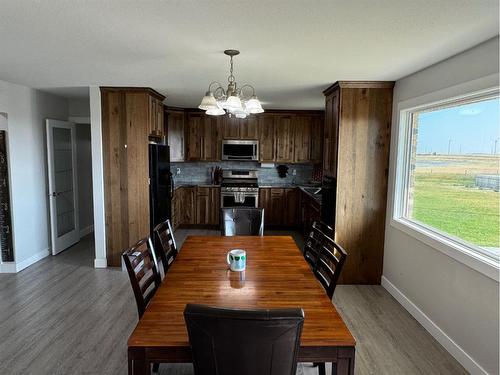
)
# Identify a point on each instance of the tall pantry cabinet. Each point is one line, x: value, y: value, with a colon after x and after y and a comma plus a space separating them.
x: 126, y: 126
x: 356, y: 153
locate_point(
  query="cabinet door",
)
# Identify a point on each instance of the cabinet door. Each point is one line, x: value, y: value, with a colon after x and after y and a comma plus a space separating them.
x: 231, y: 127
x: 188, y: 205
x: 291, y: 200
x: 266, y: 138
x: 151, y: 116
x: 194, y: 125
x: 248, y: 128
x: 160, y: 125
x: 284, y: 139
x: 277, y: 207
x: 331, y: 131
x: 202, y: 206
x: 214, y: 209
x: 265, y: 203
x: 175, y: 130
x: 211, y: 139
x: 302, y: 138
x: 316, y: 152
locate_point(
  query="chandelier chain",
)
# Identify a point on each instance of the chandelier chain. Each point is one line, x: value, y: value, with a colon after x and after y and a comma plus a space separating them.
x: 231, y: 77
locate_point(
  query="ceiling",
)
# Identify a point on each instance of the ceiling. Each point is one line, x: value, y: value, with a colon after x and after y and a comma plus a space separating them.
x: 290, y: 49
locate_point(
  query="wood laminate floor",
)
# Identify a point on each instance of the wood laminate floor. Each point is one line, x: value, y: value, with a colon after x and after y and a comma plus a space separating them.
x: 61, y: 316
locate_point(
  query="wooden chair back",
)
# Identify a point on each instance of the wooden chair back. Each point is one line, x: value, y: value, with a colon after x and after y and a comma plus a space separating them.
x: 329, y: 265
x: 165, y: 245
x: 313, y: 242
x: 140, y: 262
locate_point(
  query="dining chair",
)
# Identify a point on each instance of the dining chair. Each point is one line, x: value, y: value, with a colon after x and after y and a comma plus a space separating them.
x: 165, y: 244
x: 245, y: 342
x: 140, y: 262
x: 242, y: 221
x: 313, y: 244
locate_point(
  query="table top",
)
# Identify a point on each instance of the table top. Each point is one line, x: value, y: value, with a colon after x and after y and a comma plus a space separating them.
x: 276, y: 276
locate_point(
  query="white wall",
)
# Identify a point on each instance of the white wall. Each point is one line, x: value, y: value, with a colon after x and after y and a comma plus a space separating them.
x: 27, y: 110
x: 457, y: 304
x: 79, y: 107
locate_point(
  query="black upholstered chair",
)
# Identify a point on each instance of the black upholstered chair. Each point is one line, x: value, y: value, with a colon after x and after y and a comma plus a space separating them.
x: 140, y: 262
x: 165, y: 245
x: 242, y: 221
x: 243, y: 342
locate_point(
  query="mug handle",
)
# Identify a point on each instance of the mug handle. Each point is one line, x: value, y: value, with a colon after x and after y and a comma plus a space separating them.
x: 228, y: 261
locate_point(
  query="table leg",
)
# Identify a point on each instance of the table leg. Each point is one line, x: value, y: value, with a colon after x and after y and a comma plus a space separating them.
x: 139, y: 367
x: 345, y: 363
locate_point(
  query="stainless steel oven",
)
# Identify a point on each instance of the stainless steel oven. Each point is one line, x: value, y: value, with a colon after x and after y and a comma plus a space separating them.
x: 240, y: 150
x: 239, y: 188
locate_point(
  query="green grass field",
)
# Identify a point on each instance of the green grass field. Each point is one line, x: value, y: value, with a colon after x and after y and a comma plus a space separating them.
x: 451, y: 203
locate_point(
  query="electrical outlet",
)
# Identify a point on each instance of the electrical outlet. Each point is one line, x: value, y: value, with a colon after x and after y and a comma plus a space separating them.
x: 294, y: 172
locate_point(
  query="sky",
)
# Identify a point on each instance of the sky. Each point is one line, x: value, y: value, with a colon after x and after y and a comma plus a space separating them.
x: 465, y: 129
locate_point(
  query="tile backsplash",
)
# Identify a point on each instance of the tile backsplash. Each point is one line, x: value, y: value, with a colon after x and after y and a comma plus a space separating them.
x: 199, y: 172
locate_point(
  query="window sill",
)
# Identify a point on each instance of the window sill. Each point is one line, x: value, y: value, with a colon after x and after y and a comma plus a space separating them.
x: 461, y: 253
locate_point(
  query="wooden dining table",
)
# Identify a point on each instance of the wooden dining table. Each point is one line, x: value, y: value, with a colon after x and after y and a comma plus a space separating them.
x: 276, y: 276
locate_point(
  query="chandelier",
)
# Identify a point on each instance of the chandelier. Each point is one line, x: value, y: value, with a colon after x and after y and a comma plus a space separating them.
x: 238, y: 102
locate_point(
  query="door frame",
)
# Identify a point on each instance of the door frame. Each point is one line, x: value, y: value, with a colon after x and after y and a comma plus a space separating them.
x: 59, y: 244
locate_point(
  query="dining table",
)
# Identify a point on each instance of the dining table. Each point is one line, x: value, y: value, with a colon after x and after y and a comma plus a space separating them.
x: 276, y: 276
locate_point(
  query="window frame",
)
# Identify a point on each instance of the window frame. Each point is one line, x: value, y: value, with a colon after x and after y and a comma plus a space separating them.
x: 462, y: 251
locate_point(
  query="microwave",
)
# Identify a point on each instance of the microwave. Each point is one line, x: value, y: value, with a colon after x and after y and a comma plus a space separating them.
x: 240, y: 150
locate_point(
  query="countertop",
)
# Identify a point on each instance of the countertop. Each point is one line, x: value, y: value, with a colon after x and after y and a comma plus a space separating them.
x: 303, y: 187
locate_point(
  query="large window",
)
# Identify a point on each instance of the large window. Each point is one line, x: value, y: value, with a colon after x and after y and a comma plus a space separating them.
x: 448, y: 171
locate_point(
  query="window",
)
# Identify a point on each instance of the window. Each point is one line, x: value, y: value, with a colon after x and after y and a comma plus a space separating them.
x: 448, y: 172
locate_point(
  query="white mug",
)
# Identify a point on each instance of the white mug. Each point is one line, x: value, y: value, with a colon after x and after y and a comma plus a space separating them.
x: 237, y: 260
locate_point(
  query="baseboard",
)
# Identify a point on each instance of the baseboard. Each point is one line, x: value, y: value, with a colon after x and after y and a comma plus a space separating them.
x: 451, y: 346
x: 86, y: 230
x: 9, y: 267
x: 33, y: 259
x: 100, y: 263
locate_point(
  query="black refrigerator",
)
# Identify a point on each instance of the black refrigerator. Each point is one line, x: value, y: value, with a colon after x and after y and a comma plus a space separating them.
x: 161, y: 186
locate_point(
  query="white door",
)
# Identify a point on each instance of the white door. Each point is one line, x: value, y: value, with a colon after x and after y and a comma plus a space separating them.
x: 61, y: 154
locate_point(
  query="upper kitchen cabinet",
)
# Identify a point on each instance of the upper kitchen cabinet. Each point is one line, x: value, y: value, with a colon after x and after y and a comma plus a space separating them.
x: 203, y: 137
x: 357, y: 138
x: 126, y: 119
x: 267, y: 144
x: 174, y: 119
x: 235, y: 128
x: 284, y: 138
x: 156, y: 124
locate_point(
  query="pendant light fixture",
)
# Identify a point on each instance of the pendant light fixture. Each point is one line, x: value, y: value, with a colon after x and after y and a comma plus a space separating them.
x: 233, y: 100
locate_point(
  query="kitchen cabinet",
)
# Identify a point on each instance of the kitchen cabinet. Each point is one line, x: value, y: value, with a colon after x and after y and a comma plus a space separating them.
x: 249, y: 128
x: 203, y: 134
x: 231, y: 127
x: 284, y: 139
x: 280, y: 206
x: 236, y: 128
x: 302, y: 128
x: 266, y: 138
x: 357, y: 137
x: 291, y: 201
x: 156, y: 124
x: 196, y: 205
x: 175, y: 133
x: 265, y: 203
x: 126, y: 124
x: 187, y: 205
x: 316, y: 144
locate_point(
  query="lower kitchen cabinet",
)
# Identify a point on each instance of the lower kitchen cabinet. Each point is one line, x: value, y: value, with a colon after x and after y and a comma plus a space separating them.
x: 196, y: 206
x: 280, y: 206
